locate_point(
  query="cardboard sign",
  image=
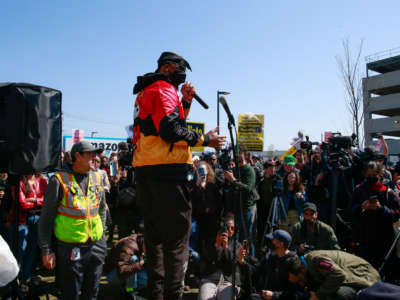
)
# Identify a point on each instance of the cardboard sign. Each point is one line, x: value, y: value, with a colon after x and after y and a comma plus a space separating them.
x: 251, y: 132
x: 200, y: 129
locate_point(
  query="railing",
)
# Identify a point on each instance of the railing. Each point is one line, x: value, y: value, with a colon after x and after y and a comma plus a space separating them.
x: 382, y: 55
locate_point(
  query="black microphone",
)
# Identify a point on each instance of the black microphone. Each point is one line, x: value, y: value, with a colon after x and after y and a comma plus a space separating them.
x: 195, y: 96
x: 224, y: 104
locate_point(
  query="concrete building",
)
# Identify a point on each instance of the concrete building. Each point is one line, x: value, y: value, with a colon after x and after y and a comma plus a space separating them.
x: 381, y: 97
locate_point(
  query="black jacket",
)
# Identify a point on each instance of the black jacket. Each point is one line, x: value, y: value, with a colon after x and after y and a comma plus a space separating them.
x: 375, y: 227
x: 219, y: 262
x: 269, y: 273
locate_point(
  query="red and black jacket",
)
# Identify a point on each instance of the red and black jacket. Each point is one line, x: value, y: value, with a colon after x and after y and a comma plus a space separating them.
x: 161, y: 138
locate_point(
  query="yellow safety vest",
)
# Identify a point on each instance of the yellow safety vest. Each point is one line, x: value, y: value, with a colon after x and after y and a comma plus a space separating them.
x: 78, y: 216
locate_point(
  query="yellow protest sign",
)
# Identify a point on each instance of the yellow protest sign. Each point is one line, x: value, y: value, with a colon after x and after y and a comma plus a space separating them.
x: 200, y: 129
x: 292, y: 151
x: 251, y: 132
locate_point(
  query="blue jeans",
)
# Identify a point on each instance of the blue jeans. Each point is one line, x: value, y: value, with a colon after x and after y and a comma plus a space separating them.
x: 27, y: 245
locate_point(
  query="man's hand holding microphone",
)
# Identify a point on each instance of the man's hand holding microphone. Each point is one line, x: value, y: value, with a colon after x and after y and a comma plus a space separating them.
x: 215, y: 141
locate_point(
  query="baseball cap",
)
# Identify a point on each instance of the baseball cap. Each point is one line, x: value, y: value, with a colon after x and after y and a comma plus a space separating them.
x: 289, y: 160
x: 269, y: 163
x: 309, y: 205
x: 84, y: 146
x: 171, y: 57
x: 123, y: 146
x: 281, y: 235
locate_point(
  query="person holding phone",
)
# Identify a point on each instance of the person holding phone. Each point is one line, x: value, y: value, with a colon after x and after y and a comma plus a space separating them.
x: 216, y: 280
x: 207, y: 205
x: 375, y: 208
x: 267, y: 278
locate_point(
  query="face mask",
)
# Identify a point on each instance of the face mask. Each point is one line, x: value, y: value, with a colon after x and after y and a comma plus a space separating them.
x: 177, y: 77
x: 371, y: 180
x: 202, y: 172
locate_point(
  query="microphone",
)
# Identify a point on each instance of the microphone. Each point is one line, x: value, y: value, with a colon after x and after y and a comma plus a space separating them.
x: 224, y: 104
x: 195, y: 96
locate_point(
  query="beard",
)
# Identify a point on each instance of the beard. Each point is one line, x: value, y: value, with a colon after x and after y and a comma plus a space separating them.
x: 309, y: 223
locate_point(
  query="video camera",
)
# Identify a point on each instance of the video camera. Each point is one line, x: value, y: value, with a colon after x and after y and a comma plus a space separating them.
x: 307, y: 144
x: 370, y: 155
x: 277, y: 187
x: 225, y: 159
x: 337, y: 158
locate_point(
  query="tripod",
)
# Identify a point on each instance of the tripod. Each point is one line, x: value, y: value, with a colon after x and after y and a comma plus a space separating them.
x: 389, y: 253
x: 276, y: 213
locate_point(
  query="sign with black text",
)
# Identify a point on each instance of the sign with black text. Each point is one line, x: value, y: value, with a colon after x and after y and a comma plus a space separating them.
x: 108, y: 144
x: 198, y: 128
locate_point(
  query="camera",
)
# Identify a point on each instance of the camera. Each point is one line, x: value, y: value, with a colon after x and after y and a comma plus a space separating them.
x: 277, y: 188
x: 307, y: 145
x: 225, y: 159
x: 337, y: 159
x: 370, y: 154
x: 223, y: 227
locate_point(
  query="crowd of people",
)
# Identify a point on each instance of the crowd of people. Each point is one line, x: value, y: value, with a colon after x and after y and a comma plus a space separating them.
x: 278, y: 211
x: 319, y: 224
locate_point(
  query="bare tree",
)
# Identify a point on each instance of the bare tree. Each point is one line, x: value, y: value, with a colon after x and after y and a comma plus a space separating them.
x: 349, y: 68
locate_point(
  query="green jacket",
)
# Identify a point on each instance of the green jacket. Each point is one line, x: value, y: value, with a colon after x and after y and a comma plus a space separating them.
x: 323, y: 238
x: 331, y: 269
x: 247, y: 185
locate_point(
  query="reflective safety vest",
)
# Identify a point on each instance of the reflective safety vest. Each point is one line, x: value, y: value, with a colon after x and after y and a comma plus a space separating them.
x: 78, y: 216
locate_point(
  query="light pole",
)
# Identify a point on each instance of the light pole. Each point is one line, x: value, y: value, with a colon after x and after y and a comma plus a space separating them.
x: 219, y: 93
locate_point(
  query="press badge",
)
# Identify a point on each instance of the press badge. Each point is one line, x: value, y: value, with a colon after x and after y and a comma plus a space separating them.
x: 75, y: 254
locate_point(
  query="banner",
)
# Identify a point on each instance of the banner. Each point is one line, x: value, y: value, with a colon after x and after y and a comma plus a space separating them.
x: 327, y: 136
x: 251, y: 132
x: 108, y: 144
x: 77, y: 135
x: 200, y: 129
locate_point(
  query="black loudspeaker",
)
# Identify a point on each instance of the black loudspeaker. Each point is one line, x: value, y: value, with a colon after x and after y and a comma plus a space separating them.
x: 30, y: 128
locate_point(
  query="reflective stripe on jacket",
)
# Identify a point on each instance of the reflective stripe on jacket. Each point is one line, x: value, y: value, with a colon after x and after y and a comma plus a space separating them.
x: 78, y: 216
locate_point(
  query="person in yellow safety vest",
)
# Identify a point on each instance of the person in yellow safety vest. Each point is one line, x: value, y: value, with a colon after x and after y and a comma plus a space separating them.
x: 73, y: 211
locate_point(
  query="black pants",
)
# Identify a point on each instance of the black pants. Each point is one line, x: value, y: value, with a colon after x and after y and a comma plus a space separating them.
x: 343, y: 293
x: 82, y: 274
x: 167, y: 220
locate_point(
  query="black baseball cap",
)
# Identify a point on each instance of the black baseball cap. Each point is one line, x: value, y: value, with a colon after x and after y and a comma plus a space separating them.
x: 172, y: 58
x: 84, y: 146
x: 269, y: 163
x: 123, y: 146
x: 281, y: 235
x: 309, y: 205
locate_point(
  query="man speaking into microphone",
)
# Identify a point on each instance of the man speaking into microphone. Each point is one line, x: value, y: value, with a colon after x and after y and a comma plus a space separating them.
x: 164, y: 171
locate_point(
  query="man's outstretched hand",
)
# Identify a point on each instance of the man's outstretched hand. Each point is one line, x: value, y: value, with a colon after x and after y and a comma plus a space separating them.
x: 216, y: 141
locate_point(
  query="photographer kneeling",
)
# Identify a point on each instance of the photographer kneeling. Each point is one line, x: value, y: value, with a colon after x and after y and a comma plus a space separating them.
x: 216, y: 280
x: 124, y: 265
